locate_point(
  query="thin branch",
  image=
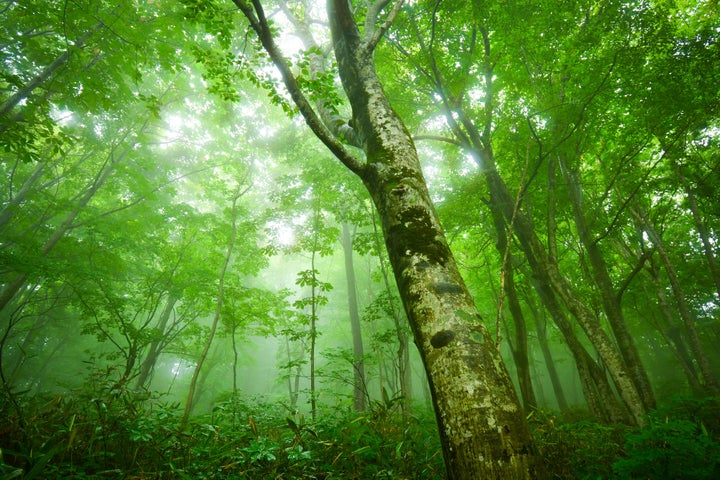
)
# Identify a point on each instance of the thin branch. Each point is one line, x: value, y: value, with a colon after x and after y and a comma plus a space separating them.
x: 258, y: 23
x: 373, y: 10
x: 377, y: 34
x: 640, y: 265
x: 439, y: 138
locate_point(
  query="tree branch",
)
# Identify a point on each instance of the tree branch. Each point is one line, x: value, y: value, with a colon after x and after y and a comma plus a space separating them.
x: 373, y: 35
x: 440, y: 138
x: 259, y: 24
x: 334, y: 122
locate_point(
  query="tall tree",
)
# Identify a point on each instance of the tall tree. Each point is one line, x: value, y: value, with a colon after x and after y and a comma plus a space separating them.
x: 359, y: 388
x: 482, y: 427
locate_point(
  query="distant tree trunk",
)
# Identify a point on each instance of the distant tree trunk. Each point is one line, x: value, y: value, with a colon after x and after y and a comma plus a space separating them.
x: 482, y: 427
x: 519, y: 347
x: 314, y: 303
x: 218, y: 310
x: 670, y: 329
x: 543, y: 263
x: 610, y: 301
x: 696, y: 346
x: 102, y: 175
x: 233, y: 331
x: 359, y: 390
x: 115, y: 157
x: 541, y: 331
x: 701, y: 228
x: 596, y: 389
x: 293, y: 380
x: 15, y: 199
x: 155, y: 348
x: 23, y: 93
x: 671, y: 334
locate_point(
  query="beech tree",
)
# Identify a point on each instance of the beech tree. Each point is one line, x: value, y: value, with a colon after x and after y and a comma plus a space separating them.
x: 482, y: 426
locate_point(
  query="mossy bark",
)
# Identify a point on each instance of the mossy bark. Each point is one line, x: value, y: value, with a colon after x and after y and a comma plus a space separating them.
x: 482, y: 427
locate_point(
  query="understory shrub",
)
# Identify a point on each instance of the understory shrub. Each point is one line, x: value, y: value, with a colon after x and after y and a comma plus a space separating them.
x: 112, y: 434
x: 109, y: 431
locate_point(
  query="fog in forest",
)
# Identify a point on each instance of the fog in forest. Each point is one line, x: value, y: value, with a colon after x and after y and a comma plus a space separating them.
x: 366, y: 239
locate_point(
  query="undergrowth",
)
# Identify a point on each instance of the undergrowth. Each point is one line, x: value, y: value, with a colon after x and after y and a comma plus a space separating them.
x: 114, y: 433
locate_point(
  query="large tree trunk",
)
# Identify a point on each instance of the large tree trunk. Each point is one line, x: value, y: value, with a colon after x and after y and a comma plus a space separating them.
x: 358, y: 353
x: 482, y: 427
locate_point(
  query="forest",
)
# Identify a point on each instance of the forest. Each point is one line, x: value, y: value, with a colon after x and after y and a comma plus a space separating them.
x: 357, y: 239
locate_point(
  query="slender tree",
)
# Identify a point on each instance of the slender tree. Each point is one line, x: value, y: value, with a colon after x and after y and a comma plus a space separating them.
x: 218, y: 308
x: 359, y: 389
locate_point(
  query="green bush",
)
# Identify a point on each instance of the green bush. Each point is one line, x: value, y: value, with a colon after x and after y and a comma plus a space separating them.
x: 670, y: 449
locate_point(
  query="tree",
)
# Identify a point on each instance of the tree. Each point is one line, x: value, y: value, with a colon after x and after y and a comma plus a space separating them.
x: 359, y: 388
x: 482, y: 427
x: 220, y: 301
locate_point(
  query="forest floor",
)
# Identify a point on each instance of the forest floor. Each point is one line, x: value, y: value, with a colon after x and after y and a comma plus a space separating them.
x: 120, y: 436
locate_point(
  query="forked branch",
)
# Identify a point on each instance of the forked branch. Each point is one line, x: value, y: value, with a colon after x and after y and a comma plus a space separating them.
x: 258, y: 22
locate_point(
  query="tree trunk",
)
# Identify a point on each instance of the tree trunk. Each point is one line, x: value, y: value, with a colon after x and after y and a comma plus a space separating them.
x: 541, y: 331
x: 543, y: 264
x: 596, y: 388
x: 701, y: 228
x: 358, y: 353
x: 548, y: 276
x: 103, y: 174
x: 482, y: 427
x: 696, y: 346
x: 519, y: 348
x: 610, y: 301
x: 148, y: 364
x: 313, y: 334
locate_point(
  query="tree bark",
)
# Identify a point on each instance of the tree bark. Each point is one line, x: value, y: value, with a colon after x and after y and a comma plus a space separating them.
x: 482, y: 427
